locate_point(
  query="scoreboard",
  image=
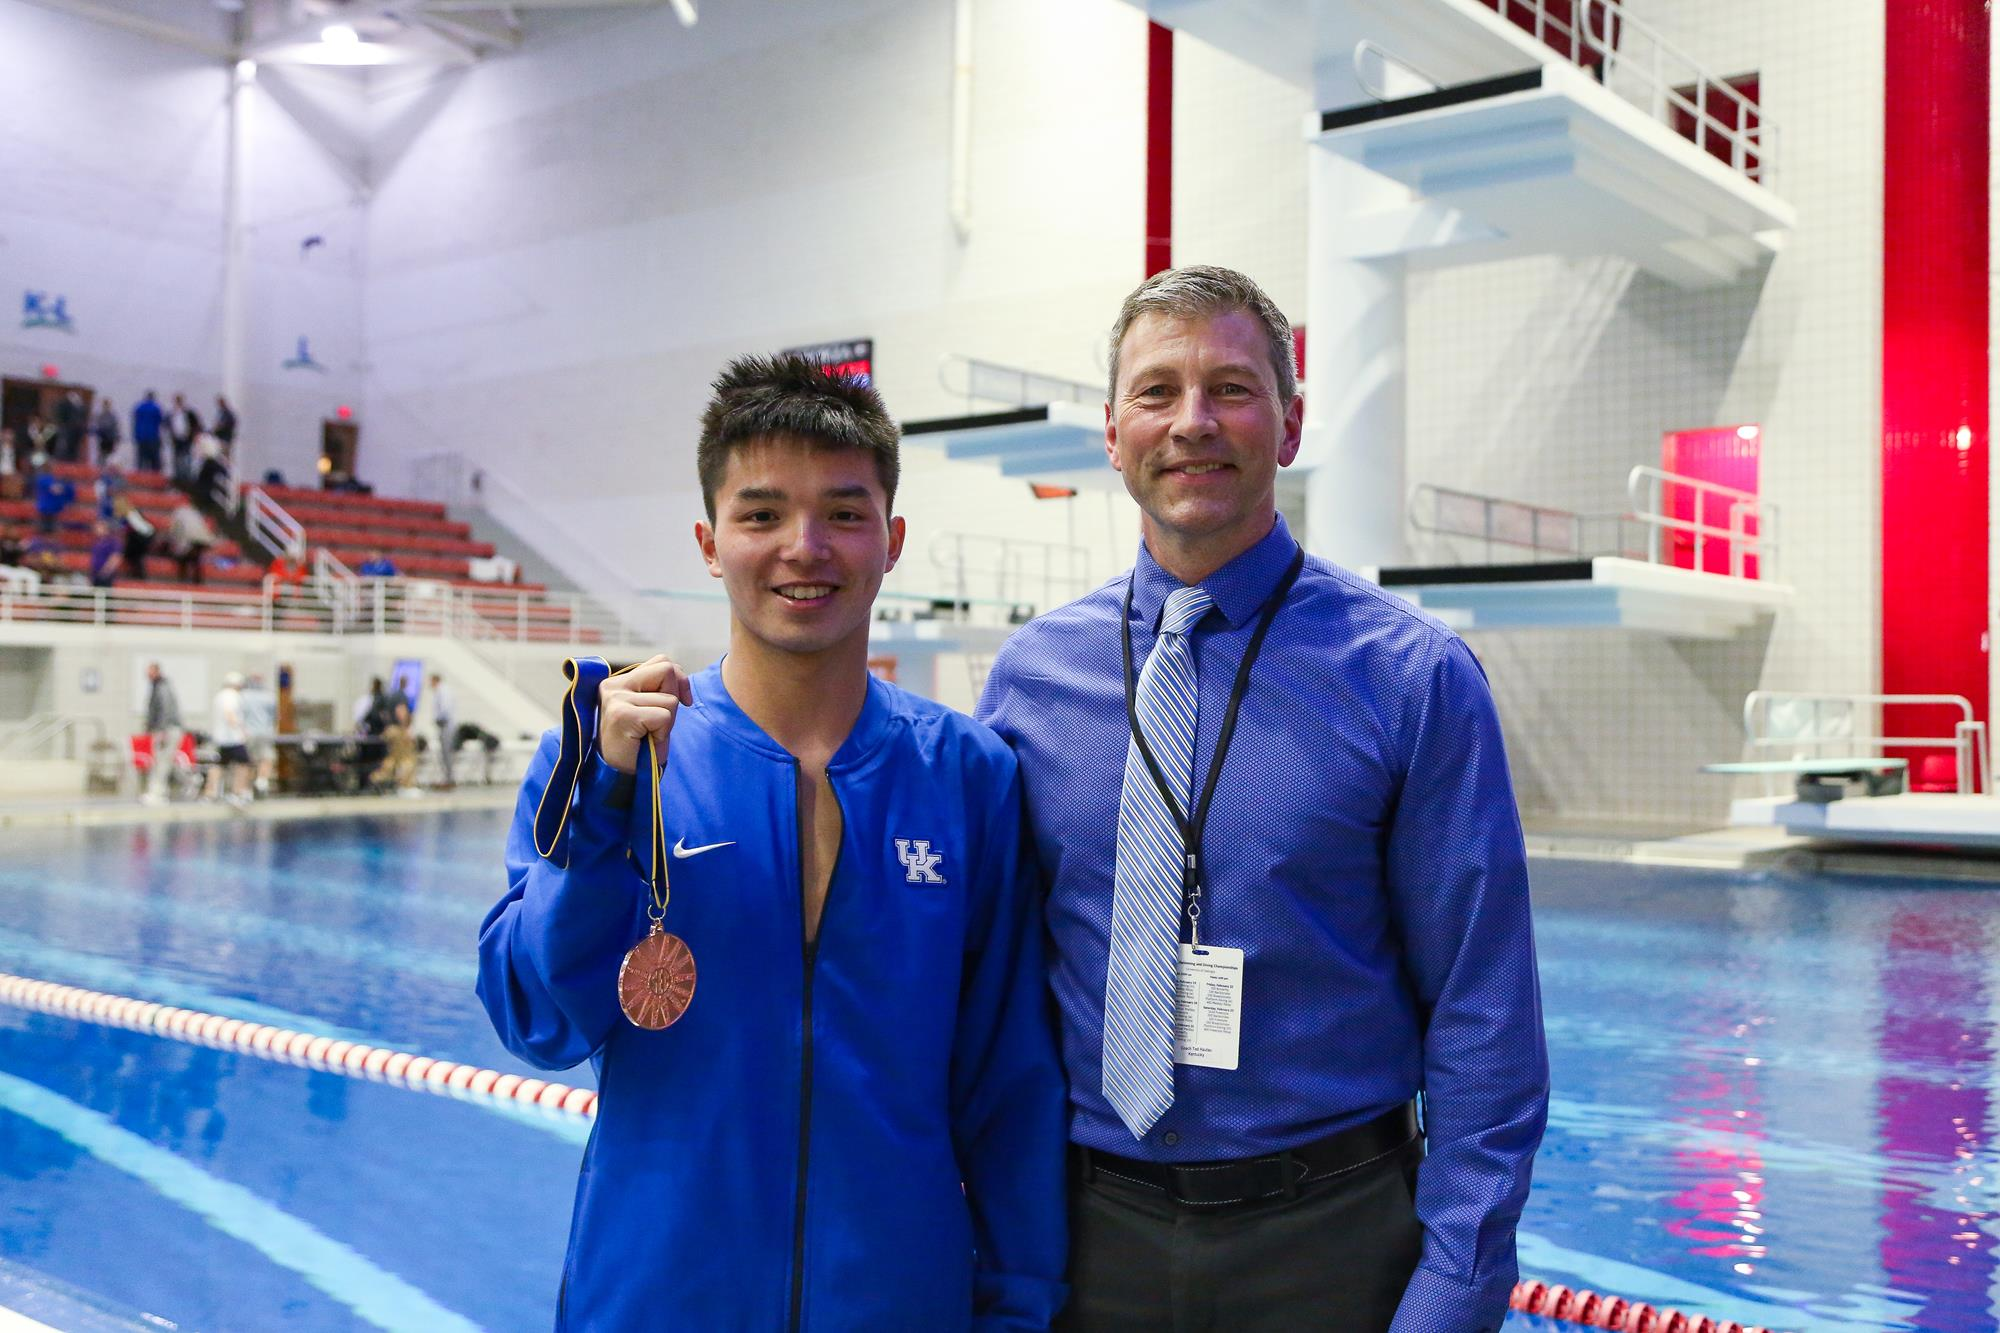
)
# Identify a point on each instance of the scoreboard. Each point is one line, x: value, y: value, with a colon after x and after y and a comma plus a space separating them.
x: 852, y: 357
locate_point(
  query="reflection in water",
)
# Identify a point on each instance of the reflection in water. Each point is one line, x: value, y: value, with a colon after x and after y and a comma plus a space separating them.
x: 1934, y: 1111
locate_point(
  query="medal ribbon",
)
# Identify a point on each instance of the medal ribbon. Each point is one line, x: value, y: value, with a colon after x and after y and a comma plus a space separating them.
x: 656, y: 979
x: 656, y: 870
x: 579, y: 738
x: 579, y: 734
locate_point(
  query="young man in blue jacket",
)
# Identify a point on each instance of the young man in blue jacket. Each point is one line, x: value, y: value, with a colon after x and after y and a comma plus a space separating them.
x: 857, y: 1121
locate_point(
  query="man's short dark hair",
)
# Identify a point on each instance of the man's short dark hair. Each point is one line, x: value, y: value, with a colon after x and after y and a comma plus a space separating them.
x: 761, y: 397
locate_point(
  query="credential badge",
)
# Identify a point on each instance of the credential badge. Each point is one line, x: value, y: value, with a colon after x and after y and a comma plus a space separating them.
x: 919, y: 861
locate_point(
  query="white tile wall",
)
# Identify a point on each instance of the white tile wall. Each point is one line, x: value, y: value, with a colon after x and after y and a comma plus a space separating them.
x: 1545, y: 380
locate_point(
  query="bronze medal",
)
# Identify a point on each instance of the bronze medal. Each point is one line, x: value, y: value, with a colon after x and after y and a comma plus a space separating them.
x: 656, y: 980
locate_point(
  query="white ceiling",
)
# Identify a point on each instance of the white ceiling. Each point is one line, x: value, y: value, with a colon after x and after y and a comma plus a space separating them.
x: 386, y: 32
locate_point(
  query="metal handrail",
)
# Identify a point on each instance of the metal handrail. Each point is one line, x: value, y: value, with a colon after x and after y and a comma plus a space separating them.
x: 1968, y: 740
x: 337, y: 586
x: 1750, y: 148
x: 414, y: 606
x: 43, y: 730
x: 1645, y: 69
x: 271, y: 523
x: 1744, y: 506
x: 988, y: 381
x: 1010, y: 571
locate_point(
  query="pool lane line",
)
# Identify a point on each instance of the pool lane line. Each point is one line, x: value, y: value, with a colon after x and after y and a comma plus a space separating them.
x: 375, y: 1295
x: 445, y: 1078
x: 244, y: 925
x: 332, y: 1055
x: 1594, y: 1310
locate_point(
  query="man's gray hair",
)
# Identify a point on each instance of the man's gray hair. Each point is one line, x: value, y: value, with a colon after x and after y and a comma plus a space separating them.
x: 1203, y: 291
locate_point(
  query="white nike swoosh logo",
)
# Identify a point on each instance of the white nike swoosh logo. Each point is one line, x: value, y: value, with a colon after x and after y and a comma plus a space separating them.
x: 682, y: 853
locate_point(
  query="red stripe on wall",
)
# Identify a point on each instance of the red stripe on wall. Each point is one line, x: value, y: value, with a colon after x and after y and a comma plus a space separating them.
x: 1934, y: 357
x: 1159, y: 148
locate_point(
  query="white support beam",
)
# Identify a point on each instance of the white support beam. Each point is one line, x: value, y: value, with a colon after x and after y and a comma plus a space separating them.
x: 118, y: 18
x: 482, y: 33
x: 462, y: 6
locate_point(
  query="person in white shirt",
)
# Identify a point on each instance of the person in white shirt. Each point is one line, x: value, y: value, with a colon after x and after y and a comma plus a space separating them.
x: 232, y: 741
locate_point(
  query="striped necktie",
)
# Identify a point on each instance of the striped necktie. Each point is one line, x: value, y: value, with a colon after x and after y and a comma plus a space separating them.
x: 1146, y: 904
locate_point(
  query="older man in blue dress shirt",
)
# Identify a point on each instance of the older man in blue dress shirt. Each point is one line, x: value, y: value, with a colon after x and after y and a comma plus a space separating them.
x: 1286, y: 887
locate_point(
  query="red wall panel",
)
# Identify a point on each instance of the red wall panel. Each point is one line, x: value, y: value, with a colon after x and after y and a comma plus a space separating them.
x: 1934, y: 353
x: 1159, y: 148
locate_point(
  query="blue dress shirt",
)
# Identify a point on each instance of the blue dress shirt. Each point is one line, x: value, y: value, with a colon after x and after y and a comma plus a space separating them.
x: 1363, y: 850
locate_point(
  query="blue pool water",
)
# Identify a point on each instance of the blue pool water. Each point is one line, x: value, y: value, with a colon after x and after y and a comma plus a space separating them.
x: 1773, y: 1095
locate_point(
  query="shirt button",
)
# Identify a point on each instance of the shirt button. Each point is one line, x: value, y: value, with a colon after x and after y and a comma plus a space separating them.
x: 1170, y: 1138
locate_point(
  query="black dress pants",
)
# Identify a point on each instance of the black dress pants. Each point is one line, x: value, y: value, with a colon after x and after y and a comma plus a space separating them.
x: 1333, y: 1260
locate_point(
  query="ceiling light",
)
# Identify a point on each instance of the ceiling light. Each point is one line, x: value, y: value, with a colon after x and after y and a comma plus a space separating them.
x: 339, y: 34
x: 684, y: 11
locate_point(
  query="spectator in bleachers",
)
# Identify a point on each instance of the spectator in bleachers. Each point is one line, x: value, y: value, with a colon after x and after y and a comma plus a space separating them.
x: 42, y: 556
x: 188, y: 540
x: 41, y: 442
x: 443, y: 706
x: 378, y: 566
x: 108, y: 489
x: 11, y: 485
x: 282, y: 574
x: 146, y: 421
x: 104, y: 431
x: 13, y: 550
x: 163, y: 724
x: 139, y: 533
x: 104, y: 555
x: 225, y: 425
x: 53, y: 494
x: 182, y: 426
x: 232, y: 742
x: 72, y: 420
x: 211, y: 478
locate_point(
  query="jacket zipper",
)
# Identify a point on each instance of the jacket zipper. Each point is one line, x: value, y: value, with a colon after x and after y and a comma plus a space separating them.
x: 809, y: 954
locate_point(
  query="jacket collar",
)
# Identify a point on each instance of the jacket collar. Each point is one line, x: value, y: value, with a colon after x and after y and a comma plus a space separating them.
x: 721, y: 710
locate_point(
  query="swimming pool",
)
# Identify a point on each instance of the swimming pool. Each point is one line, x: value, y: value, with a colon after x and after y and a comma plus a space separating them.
x: 1773, y: 1095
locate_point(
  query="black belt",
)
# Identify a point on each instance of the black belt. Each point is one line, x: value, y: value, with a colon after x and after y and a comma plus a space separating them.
x: 1247, y: 1179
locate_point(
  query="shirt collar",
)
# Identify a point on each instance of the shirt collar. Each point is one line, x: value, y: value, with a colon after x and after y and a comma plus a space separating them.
x: 1240, y: 588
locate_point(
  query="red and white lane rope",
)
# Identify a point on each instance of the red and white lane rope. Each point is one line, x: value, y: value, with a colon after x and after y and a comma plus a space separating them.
x: 1593, y: 1310
x: 469, y: 1082
x: 284, y: 1046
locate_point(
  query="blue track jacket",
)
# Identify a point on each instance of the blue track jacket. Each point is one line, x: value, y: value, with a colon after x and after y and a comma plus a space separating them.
x: 790, y: 1154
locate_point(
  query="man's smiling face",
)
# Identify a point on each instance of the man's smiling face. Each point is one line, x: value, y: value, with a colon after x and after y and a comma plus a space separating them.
x: 801, y: 540
x: 1199, y: 430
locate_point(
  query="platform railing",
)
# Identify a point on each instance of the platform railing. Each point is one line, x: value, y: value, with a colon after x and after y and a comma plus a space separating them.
x: 42, y: 735
x: 473, y: 616
x: 1785, y: 724
x: 1543, y: 532
x: 1010, y: 572
x: 1647, y: 488
x: 337, y: 586
x: 1635, y: 62
x: 988, y: 381
x: 271, y: 524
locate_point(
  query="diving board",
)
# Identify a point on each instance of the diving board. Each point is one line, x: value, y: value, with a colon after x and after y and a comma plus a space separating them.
x: 1924, y: 819
x: 1601, y: 592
